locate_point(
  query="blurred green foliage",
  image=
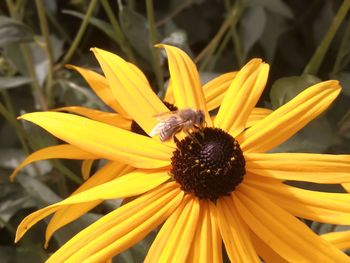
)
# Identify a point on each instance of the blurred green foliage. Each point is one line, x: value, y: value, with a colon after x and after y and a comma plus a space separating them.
x: 303, y: 41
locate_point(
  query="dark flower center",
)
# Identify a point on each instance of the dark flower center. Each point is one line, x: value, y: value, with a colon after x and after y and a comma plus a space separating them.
x: 137, y: 128
x: 208, y: 163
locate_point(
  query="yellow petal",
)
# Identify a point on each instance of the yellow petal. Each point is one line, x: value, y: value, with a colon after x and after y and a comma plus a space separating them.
x: 104, y: 140
x: 256, y: 115
x: 185, y: 81
x: 242, y: 96
x: 64, y: 151
x: 132, y: 184
x: 215, y: 89
x: 169, y: 94
x: 121, y: 228
x: 284, y: 233
x: 206, y: 246
x: 339, y: 239
x: 86, y: 168
x: 317, y: 206
x: 101, y: 116
x: 264, y: 251
x: 316, y: 168
x: 346, y: 186
x: 289, y: 118
x: 235, y: 233
x: 69, y: 213
x: 172, y: 243
x: 131, y: 90
x: 99, y: 85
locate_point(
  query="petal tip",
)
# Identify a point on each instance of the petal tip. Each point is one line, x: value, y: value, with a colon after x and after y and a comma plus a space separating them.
x: 160, y: 45
x: 70, y: 66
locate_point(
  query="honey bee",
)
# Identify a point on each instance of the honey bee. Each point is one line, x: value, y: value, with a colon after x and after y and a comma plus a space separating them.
x: 173, y: 122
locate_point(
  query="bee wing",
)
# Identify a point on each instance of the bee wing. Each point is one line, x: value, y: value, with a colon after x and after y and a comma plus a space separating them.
x: 156, y: 130
x: 165, y: 115
x: 169, y: 125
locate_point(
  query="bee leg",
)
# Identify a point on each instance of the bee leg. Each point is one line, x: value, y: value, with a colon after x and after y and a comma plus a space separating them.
x: 200, y: 129
x: 190, y: 134
x: 176, y: 140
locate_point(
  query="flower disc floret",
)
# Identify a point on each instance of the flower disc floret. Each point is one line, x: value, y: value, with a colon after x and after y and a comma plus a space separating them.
x: 208, y: 163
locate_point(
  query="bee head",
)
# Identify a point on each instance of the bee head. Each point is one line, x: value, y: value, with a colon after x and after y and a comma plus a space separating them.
x: 200, y: 117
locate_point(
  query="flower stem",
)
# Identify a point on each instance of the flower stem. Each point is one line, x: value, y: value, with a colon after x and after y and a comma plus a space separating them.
x: 48, y: 47
x: 123, y: 43
x: 38, y: 95
x: 19, y: 130
x: 343, y: 50
x: 235, y: 39
x: 155, y: 52
x: 229, y: 22
x: 315, y: 62
x: 219, y: 51
x: 80, y: 33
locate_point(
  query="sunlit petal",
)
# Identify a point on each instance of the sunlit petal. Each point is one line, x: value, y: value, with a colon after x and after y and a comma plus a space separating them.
x: 121, y: 228
x: 86, y: 168
x: 289, y: 118
x: 286, y: 236
x: 317, y: 168
x: 185, y: 81
x: 264, y: 251
x: 104, y: 140
x: 215, y: 89
x: 323, y: 207
x: 242, y: 96
x: 340, y: 239
x: 256, y: 115
x: 131, y: 90
x: 235, y: 233
x: 101, y: 116
x: 99, y: 85
x: 180, y: 228
x: 132, y: 184
x: 206, y: 246
x: 68, y: 213
x: 64, y: 151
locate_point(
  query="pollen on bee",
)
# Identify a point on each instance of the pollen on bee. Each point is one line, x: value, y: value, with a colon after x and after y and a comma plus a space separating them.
x: 232, y: 158
x: 196, y: 161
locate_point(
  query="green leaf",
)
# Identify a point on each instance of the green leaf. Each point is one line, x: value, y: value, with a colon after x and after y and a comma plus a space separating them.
x: 135, y: 28
x: 7, y: 254
x: 39, y: 191
x: 276, y: 25
x: 274, y: 6
x: 13, y: 82
x: 344, y: 126
x: 40, y: 61
x: 12, y: 31
x: 100, y: 24
x: 10, y: 158
x: 13, y: 199
x: 284, y: 89
x: 344, y: 78
x: 251, y: 27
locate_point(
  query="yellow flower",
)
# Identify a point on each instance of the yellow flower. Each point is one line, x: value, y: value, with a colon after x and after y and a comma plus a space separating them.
x: 214, y: 92
x: 217, y: 184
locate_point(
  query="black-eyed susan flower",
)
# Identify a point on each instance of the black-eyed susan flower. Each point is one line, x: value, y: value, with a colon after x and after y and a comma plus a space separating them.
x: 214, y: 92
x: 217, y: 184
